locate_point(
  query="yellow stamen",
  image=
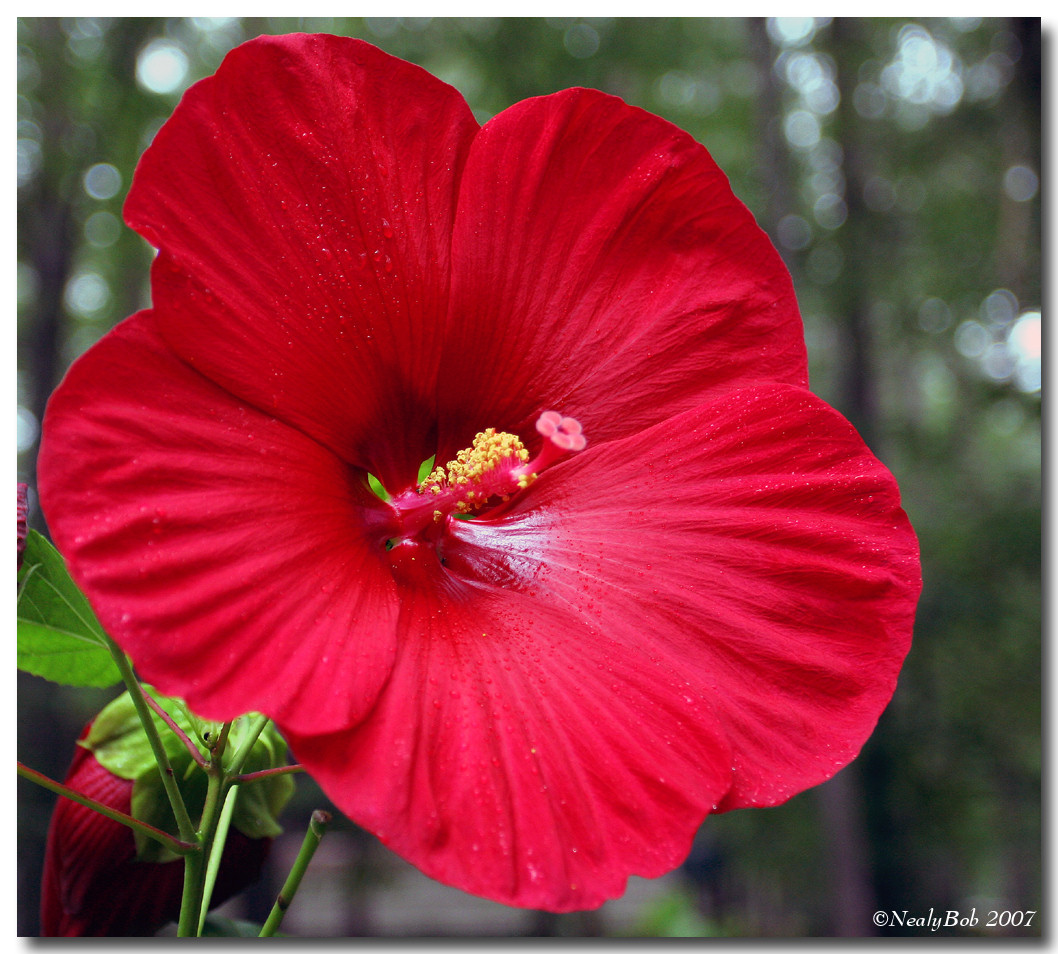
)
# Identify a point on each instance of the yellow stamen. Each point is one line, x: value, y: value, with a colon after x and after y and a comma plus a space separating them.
x: 471, y: 468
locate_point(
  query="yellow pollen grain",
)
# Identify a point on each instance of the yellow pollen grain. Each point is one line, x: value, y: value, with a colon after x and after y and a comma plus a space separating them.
x: 491, y: 449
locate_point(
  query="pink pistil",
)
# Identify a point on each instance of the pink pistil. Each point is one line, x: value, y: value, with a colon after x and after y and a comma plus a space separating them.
x: 563, y: 436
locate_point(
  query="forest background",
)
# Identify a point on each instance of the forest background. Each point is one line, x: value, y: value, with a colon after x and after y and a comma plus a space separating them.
x: 896, y: 164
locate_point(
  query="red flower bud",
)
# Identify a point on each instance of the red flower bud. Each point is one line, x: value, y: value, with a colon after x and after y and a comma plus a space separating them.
x: 94, y: 886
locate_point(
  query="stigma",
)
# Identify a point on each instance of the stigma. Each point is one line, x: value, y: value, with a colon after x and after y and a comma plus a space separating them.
x: 486, y: 475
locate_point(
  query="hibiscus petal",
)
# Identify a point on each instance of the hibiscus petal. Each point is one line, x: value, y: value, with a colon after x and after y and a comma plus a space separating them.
x: 518, y: 754
x: 596, y: 243
x: 757, y: 541
x: 238, y: 562
x: 302, y: 199
x: 708, y: 615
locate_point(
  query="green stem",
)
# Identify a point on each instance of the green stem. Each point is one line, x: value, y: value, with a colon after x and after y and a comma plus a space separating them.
x: 216, y: 853
x: 195, y: 875
x: 190, y: 901
x: 317, y: 826
x: 217, y: 750
x: 173, y: 844
x: 183, y: 820
x: 257, y: 726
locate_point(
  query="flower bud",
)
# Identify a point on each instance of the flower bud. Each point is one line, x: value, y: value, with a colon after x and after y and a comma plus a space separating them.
x: 95, y: 886
x: 23, y: 517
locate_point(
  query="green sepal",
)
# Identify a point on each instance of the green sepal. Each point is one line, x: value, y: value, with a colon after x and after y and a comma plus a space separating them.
x: 426, y: 467
x: 262, y: 802
x: 376, y: 487
x: 120, y: 745
x: 59, y: 637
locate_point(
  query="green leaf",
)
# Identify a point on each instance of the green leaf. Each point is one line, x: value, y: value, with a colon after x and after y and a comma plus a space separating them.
x: 120, y: 745
x: 59, y: 637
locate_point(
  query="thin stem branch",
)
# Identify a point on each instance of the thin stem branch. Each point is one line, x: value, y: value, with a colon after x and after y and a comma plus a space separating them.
x: 216, y: 852
x: 183, y: 820
x: 241, y: 755
x: 317, y: 826
x: 177, y: 731
x: 218, y: 747
x: 268, y: 773
x: 173, y: 844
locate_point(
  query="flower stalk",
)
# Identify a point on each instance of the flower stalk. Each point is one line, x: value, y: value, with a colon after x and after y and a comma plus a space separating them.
x: 243, y: 752
x: 216, y: 852
x: 183, y: 819
x: 268, y: 773
x: 193, y: 903
x: 317, y: 827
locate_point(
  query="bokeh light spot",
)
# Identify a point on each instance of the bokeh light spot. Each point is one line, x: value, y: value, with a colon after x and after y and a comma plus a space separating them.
x: 102, y: 181
x: 1020, y: 183
x: 161, y: 67
x: 581, y: 41
x: 86, y: 293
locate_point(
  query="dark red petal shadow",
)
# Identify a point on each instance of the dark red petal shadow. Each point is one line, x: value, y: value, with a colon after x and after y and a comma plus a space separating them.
x: 237, y: 561
x: 302, y: 199
x: 602, y: 265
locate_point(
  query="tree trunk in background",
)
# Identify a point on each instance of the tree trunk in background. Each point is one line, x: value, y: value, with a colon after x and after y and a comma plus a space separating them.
x: 840, y: 801
x: 845, y: 838
x: 46, y: 225
x: 1018, y: 241
x: 774, y: 167
x: 857, y: 238
x: 1017, y: 269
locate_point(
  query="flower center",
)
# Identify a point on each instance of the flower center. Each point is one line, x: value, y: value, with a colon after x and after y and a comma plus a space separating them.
x: 486, y: 474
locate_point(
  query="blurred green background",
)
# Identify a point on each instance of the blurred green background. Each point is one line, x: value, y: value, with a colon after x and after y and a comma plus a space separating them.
x: 896, y: 165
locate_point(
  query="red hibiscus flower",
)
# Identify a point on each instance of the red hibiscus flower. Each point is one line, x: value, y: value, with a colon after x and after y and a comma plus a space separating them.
x: 94, y: 885
x: 704, y: 608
